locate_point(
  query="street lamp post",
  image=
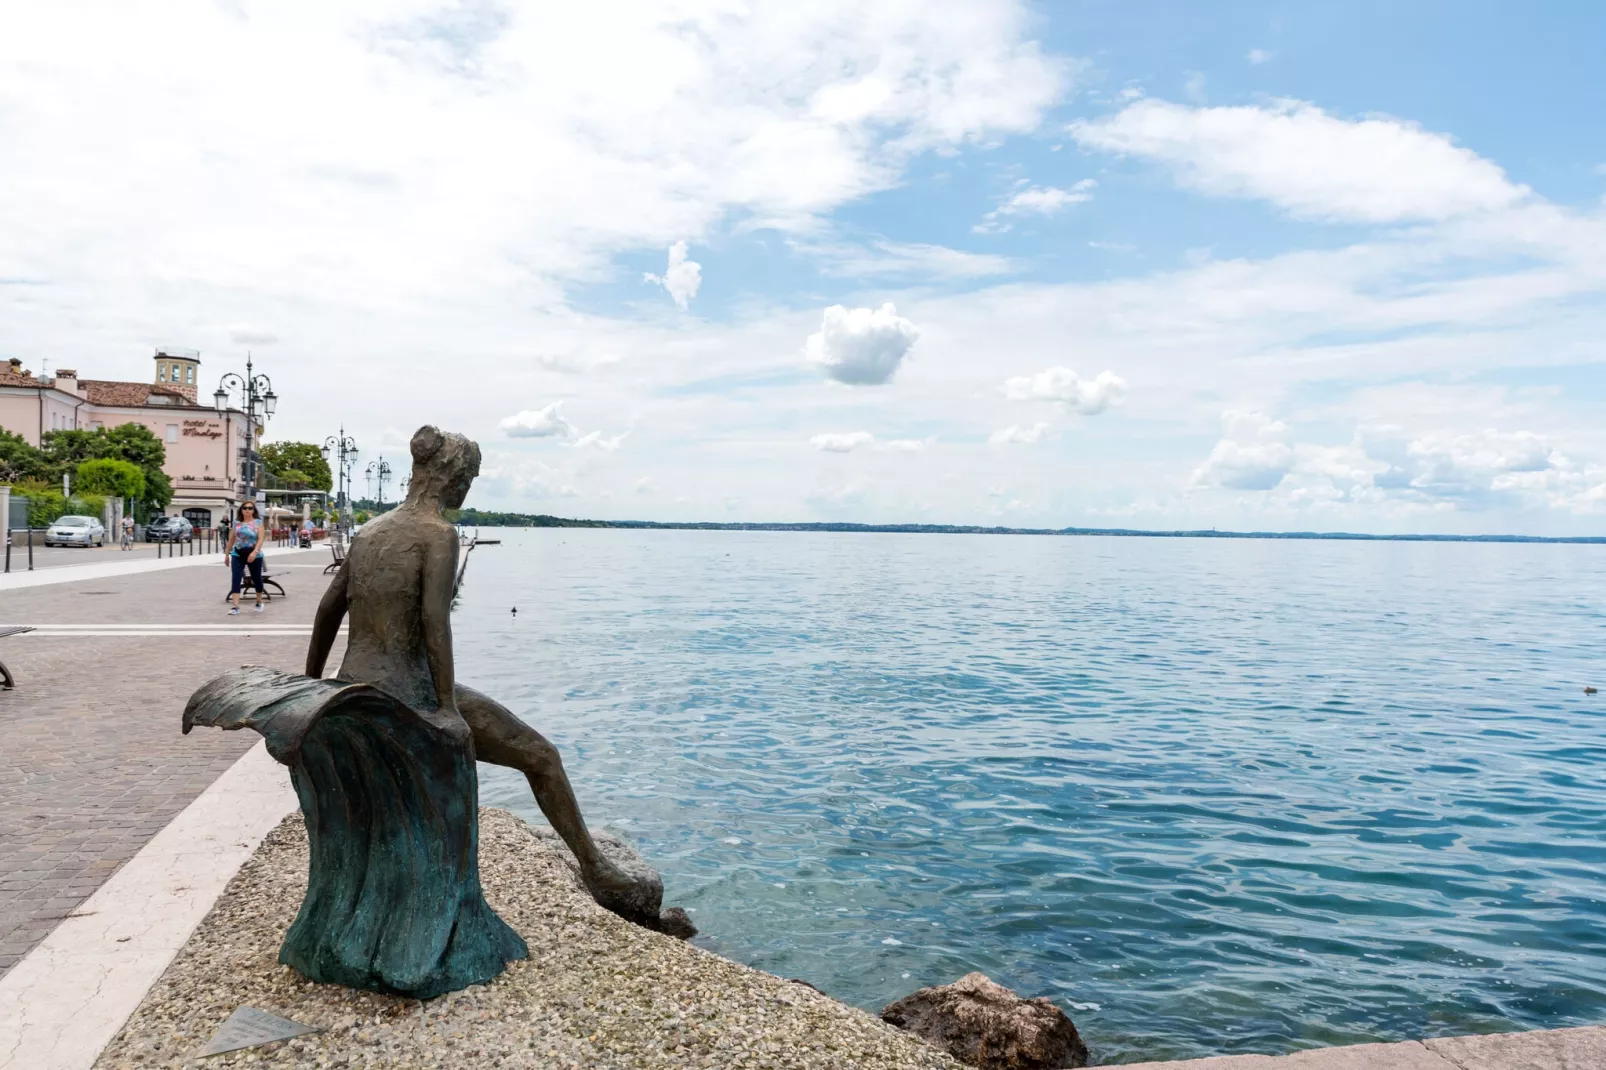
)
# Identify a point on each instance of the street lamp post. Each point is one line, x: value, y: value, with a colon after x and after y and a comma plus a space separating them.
x: 258, y: 400
x: 344, y: 450
x: 380, y: 471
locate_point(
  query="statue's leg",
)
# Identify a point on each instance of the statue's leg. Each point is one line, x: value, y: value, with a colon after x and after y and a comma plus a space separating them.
x: 502, y: 739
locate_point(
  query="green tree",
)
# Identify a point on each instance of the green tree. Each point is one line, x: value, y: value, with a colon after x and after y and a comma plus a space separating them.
x: 112, y: 476
x: 66, y: 450
x: 300, y: 462
x: 18, y: 460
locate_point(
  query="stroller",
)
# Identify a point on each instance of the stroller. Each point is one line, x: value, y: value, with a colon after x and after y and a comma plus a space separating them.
x: 304, y: 539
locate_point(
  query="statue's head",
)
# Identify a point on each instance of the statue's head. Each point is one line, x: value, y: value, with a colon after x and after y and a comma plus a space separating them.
x: 444, y: 464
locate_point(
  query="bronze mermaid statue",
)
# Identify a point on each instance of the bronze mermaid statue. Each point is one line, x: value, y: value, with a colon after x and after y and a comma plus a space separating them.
x: 382, y: 758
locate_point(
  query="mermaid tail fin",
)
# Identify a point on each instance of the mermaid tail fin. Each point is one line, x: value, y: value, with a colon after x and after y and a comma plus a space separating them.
x: 390, y: 796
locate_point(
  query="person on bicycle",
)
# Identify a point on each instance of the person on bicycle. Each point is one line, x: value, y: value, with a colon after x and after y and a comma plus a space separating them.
x: 245, y: 552
x: 128, y: 531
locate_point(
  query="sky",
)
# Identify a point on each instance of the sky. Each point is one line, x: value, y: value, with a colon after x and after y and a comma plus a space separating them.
x: 1271, y: 266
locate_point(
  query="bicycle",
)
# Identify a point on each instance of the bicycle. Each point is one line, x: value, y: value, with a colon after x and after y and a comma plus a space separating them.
x: 127, y: 541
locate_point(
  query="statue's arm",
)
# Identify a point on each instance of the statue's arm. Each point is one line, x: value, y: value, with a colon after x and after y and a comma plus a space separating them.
x: 331, y: 610
x: 440, y: 572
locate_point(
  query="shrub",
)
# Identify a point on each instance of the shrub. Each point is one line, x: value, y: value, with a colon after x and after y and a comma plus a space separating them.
x: 45, y: 506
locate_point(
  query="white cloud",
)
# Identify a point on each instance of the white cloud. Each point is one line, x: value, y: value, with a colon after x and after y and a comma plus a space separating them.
x: 596, y: 440
x: 906, y: 445
x: 1019, y: 435
x: 861, y: 346
x: 904, y: 259
x: 545, y: 422
x: 1089, y: 397
x: 681, y: 278
x: 1387, y: 469
x: 1034, y: 200
x: 1257, y: 56
x: 514, y: 478
x: 430, y: 157
x: 246, y: 335
x: 841, y: 442
x: 1311, y: 164
x: 1253, y: 454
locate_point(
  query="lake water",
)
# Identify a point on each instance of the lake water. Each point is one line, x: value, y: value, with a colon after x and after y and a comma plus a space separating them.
x: 1209, y: 796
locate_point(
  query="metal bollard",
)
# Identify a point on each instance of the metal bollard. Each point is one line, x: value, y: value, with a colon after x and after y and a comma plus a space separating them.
x: 30, y: 547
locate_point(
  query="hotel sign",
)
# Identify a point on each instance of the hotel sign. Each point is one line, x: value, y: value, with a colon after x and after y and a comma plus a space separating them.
x: 202, y: 429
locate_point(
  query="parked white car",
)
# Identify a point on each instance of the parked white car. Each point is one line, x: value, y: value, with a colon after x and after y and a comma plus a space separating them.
x: 75, y: 531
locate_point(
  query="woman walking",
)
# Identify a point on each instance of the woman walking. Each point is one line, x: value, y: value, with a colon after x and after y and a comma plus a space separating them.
x: 245, y: 552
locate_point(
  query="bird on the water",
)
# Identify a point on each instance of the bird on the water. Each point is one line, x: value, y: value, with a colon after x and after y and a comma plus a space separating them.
x: 1589, y: 690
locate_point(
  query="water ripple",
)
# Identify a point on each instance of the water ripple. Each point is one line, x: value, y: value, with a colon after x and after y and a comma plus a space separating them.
x: 1211, y: 796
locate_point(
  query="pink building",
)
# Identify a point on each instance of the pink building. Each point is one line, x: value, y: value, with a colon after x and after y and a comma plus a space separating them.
x: 205, y: 450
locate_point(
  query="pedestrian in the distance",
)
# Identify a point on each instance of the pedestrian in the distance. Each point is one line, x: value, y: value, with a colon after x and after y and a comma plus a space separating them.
x: 245, y: 552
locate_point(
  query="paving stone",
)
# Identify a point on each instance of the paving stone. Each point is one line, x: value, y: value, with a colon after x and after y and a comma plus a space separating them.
x: 92, y: 763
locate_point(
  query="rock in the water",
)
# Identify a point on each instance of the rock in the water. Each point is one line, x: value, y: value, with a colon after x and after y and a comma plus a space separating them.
x: 982, y: 1023
x: 643, y: 907
x: 675, y: 922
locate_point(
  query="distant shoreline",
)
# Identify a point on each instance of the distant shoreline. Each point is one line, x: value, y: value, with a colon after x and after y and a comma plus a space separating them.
x: 476, y: 518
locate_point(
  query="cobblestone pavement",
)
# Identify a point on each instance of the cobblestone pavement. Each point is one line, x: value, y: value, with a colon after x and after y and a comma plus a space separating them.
x: 92, y: 762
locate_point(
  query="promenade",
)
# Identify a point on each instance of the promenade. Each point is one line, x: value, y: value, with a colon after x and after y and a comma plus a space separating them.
x: 92, y: 763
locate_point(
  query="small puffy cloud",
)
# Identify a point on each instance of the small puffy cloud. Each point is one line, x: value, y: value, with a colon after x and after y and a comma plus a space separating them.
x: 1034, y: 200
x: 1311, y: 164
x: 841, y: 442
x: 861, y: 346
x: 682, y: 278
x: 1088, y: 397
x: 1253, y: 454
x: 1257, y: 56
x: 1019, y: 435
x: 546, y: 422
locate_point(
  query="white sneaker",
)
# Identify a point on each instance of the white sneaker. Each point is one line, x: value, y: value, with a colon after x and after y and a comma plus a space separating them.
x: 259, y: 607
x: 234, y: 611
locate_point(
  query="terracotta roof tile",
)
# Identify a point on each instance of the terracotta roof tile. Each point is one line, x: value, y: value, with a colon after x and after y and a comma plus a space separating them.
x: 107, y: 392
x: 10, y: 378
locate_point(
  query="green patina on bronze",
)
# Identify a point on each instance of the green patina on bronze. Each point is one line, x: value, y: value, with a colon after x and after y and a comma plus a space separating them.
x: 390, y: 795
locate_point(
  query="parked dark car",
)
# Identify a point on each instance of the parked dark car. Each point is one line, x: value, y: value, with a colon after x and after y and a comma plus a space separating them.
x: 169, y: 529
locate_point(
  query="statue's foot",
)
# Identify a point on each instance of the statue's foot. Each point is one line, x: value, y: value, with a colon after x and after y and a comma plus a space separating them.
x: 636, y: 895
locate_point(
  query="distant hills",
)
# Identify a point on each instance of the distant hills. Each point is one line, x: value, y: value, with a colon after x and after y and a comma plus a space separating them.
x: 484, y: 519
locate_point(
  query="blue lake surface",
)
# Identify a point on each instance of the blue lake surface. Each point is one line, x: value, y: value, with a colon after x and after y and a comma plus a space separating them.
x: 1209, y: 796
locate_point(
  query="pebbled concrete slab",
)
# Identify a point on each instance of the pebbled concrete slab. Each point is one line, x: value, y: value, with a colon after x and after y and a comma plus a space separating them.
x: 1545, y: 1049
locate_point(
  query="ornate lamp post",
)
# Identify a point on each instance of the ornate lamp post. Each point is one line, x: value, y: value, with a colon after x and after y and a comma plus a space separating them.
x: 379, y: 470
x: 258, y: 401
x: 344, y: 450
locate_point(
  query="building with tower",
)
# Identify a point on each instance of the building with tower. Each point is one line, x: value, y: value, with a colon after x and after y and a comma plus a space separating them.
x: 206, y: 449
